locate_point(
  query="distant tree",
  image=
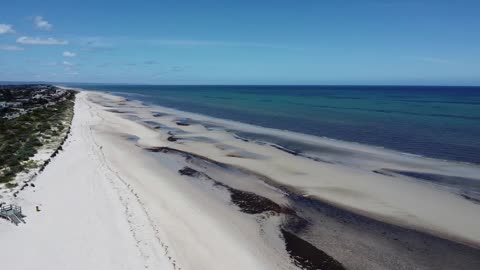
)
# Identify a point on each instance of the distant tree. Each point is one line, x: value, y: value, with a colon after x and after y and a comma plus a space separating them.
x: 7, y: 95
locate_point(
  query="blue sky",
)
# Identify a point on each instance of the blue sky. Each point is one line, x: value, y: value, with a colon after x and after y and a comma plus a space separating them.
x: 241, y: 42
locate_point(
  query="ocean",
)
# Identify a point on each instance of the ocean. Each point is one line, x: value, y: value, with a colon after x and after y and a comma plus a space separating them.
x: 436, y: 122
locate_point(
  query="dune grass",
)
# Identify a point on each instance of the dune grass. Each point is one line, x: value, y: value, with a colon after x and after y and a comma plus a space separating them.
x: 22, y: 137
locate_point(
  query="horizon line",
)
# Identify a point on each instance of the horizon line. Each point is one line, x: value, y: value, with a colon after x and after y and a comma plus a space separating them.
x: 200, y: 84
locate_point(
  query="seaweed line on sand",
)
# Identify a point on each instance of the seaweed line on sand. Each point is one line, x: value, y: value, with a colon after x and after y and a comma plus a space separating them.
x: 302, y: 253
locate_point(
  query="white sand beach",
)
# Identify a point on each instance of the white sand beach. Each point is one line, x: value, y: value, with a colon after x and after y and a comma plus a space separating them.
x: 83, y: 221
x: 114, y: 198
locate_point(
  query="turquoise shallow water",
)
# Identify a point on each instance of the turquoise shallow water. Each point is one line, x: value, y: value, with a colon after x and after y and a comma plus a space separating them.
x: 438, y: 122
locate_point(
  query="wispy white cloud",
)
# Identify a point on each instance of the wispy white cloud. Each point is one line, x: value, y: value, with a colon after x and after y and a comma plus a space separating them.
x: 187, y: 42
x: 41, y: 23
x: 111, y: 43
x: 6, y: 29
x: 213, y: 43
x: 69, y: 54
x: 41, y: 41
x: 95, y: 44
x: 69, y: 67
x: 10, y: 48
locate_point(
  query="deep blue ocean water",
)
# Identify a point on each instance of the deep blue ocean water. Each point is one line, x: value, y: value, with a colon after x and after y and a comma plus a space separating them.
x: 438, y: 122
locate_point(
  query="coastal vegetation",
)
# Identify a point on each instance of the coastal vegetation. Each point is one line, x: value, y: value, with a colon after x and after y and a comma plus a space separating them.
x: 22, y: 137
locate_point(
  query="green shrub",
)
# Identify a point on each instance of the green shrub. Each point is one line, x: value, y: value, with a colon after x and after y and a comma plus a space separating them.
x: 11, y: 185
x: 21, y: 137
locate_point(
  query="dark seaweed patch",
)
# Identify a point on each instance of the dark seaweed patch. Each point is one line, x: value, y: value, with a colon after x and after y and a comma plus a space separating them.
x: 172, y: 139
x: 181, y: 123
x: 439, y: 178
x: 299, y: 153
x: 382, y: 172
x: 201, y: 139
x: 293, y: 152
x: 248, y: 202
x: 184, y: 154
x: 152, y: 124
x: 469, y: 188
x: 307, y: 256
x: 115, y: 111
x: 235, y: 156
x: 320, y: 160
x: 252, y: 203
x: 159, y: 114
x: 470, y: 198
x: 240, y: 138
x: 188, y: 171
x: 424, y: 249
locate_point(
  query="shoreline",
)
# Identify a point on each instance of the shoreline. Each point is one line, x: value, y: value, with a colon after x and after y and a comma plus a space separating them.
x: 336, y: 124
x: 294, y: 134
x: 309, y: 138
x: 429, y: 166
x: 171, y: 220
x: 219, y: 145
